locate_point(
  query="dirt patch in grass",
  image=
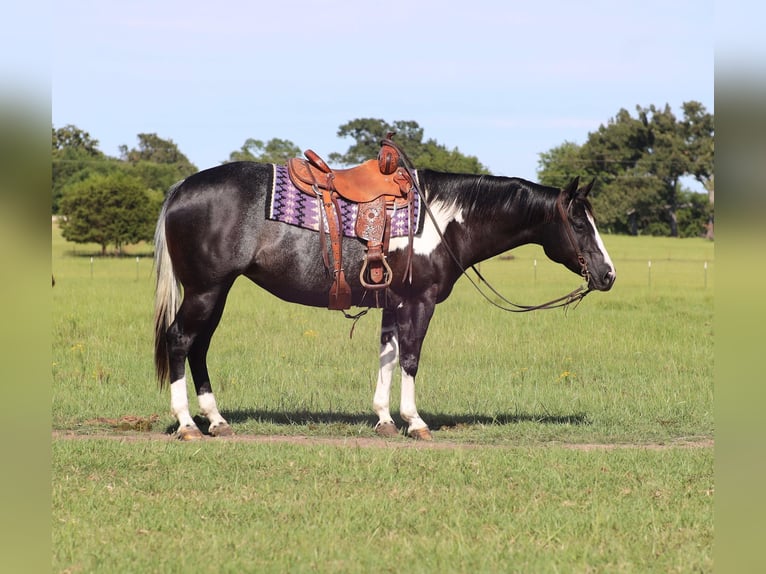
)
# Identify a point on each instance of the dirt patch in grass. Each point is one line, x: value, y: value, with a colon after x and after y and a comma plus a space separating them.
x: 367, y: 442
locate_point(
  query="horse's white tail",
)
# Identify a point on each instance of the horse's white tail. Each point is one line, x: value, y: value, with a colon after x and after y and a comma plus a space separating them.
x: 167, y: 296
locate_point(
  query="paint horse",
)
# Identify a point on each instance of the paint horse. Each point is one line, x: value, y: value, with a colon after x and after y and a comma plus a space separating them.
x: 213, y: 228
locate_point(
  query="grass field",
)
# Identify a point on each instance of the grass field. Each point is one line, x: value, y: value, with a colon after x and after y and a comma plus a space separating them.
x: 510, y: 395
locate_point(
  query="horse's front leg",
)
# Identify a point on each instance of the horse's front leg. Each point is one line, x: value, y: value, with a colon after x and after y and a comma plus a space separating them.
x: 412, y: 319
x: 389, y: 357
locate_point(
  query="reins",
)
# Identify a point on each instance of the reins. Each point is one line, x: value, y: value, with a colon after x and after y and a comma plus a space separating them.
x: 574, y: 296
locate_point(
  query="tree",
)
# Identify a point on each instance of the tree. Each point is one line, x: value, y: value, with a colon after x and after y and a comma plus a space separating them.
x: 154, y: 149
x: 438, y: 157
x: 113, y: 209
x: 697, y: 129
x: 638, y: 163
x: 557, y: 166
x: 74, y: 155
x: 70, y: 138
x: 665, y: 158
x: 157, y: 162
x: 368, y: 132
x: 274, y: 151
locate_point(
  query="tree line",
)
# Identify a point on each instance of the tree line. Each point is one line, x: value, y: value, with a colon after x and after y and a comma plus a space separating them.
x: 638, y: 163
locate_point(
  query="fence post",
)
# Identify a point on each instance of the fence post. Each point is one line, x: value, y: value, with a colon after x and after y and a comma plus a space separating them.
x: 649, y: 272
x: 705, y: 274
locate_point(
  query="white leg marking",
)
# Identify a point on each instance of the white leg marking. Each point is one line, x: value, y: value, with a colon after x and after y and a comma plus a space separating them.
x: 407, y: 407
x: 600, y: 243
x: 209, y: 409
x: 389, y: 357
x: 430, y: 239
x: 179, y: 403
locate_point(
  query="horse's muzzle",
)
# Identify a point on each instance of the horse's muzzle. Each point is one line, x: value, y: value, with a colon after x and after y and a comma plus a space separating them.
x: 603, y: 283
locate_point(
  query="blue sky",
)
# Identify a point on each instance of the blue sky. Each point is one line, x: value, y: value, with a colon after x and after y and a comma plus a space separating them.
x: 501, y: 80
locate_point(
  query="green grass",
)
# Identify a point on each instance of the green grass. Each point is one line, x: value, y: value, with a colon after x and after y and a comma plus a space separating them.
x: 631, y: 366
x: 234, y: 507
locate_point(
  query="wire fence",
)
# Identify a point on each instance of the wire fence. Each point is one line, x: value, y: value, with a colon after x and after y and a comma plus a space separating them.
x: 650, y: 273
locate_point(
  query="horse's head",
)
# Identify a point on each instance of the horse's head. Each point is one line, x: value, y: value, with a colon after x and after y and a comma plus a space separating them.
x: 573, y: 240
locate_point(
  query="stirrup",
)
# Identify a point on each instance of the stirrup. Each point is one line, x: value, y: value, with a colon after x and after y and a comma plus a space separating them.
x: 388, y: 275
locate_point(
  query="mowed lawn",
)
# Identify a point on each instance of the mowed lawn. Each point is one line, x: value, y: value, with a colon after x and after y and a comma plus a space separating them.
x: 576, y: 441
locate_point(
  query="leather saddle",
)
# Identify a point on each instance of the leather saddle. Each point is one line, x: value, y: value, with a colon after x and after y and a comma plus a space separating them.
x: 377, y: 186
x: 360, y: 184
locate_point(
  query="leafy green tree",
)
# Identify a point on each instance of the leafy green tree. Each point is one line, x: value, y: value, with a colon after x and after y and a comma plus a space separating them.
x: 70, y: 138
x: 698, y: 129
x: 154, y: 149
x: 665, y: 158
x: 273, y: 151
x: 558, y: 165
x: 368, y: 132
x: 112, y: 209
x: 156, y: 176
x: 157, y: 162
x: 693, y: 215
x: 438, y: 157
x: 74, y: 156
x: 638, y: 163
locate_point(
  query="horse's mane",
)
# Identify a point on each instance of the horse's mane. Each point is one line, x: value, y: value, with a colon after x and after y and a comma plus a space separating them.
x: 485, y: 195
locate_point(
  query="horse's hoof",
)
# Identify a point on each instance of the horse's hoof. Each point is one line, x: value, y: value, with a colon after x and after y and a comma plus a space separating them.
x: 387, y: 429
x: 221, y: 429
x: 189, y: 433
x: 421, y: 434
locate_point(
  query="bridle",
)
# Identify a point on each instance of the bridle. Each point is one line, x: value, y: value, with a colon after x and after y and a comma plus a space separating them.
x: 574, y: 296
x: 573, y: 242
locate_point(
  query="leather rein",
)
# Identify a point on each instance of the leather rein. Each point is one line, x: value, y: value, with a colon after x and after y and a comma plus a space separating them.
x: 574, y: 296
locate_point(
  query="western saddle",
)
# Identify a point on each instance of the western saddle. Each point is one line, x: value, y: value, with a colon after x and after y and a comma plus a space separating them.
x: 377, y: 186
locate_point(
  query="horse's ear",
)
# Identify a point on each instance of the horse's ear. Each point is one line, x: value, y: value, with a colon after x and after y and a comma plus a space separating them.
x: 586, y: 190
x: 571, y: 189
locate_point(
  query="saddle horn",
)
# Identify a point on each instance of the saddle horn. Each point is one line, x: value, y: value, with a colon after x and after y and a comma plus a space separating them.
x: 388, y: 156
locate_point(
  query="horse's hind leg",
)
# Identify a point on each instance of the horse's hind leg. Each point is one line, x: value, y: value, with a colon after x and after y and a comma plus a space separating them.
x: 189, y: 337
x: 198, y: 365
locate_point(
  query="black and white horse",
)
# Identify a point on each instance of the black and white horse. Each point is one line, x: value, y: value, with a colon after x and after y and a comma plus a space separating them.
x: 213, y: 228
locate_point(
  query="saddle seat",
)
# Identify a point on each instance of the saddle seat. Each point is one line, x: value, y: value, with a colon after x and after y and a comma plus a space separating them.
x: 376, y: 186
x: 360, y: 184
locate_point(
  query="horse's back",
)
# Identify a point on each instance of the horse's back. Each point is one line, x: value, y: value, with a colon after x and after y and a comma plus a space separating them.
x: 238, y: 183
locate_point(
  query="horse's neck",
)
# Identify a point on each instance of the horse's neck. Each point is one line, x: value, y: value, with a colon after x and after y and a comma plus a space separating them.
x: 487, y: 237
x: 491, y: 239
x: 494, y: 214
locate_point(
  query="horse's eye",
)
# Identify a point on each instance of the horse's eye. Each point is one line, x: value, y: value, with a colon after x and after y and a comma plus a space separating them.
x: 579, y: 225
